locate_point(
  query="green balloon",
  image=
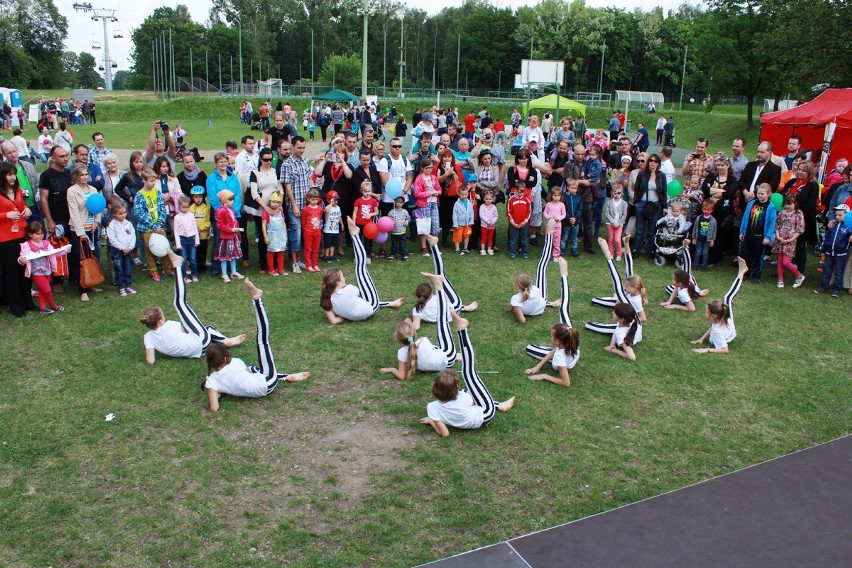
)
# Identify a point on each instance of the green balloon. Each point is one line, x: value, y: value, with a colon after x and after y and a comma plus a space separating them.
x: 777, y: 200
x: 674, y: 188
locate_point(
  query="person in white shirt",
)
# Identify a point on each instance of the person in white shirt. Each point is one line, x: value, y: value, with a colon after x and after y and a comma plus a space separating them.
x: 721, y: 317
x: 666, y: 165
x: 341, y: 302
x: 247, y: 160
x: 661, y: 128
x: 232, y: 376
x: 466, y: 409
x: 190, y: 337
x: 531, y: 298
x: 565, y: 352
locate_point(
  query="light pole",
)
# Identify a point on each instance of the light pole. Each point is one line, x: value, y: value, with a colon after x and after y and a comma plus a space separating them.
x: 600, y: 77
x: 364, y: 52
x: 104, y: 16
x: 401, y: 52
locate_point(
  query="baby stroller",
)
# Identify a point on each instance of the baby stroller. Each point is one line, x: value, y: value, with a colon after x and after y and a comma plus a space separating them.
x: 256, y: 124
x: 668, y: 244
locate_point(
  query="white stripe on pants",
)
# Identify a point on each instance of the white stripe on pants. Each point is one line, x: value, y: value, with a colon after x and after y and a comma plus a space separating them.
x: 364, y: 281
x: 541, y: 269
x: 189, y: 319
x: 620, y: 296
x: 452, y: 296
x: 540, y: 351
x: 472, y: 380
x: 729, y: 298
x: 266, y: 361
x: 445, y: 336
x: 609, y: 301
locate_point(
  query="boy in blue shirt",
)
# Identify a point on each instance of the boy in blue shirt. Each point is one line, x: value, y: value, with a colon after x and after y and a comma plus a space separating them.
x: 836, y: 247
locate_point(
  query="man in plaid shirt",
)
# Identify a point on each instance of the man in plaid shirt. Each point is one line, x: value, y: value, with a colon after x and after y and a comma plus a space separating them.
x: 98, y: 152
x: 296, y: 179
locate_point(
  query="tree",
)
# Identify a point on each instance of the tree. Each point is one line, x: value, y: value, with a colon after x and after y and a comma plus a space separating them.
x: 87, y: 77
x: 342, y: 71
x: 33, y: 32
x: 120, y: 80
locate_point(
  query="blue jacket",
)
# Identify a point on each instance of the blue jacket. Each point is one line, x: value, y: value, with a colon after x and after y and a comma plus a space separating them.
x: 215, y: 184
x: 836, y: 241
x: 573, y: 207
x: 462, y: 213
x: 768, y: 220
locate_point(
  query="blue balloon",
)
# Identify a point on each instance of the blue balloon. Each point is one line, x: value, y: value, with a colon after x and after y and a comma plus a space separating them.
x: 95, y: 203
x: 848, y: 220
x: 393, y: 189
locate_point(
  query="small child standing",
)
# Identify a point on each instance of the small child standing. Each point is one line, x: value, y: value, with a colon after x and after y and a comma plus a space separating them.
x: 757, y: 230
x: 616, y: 215
x: 573, y: 218
x: 789, y: 226
x: 518, y: 211
x: 332, y: 226
x: 462, y: 221
x: 312, y: 126
x: 704, y: 235
x: 201, y: 211
x: 229, y: 236
x: 122, y: 242
x: 187, y: 238
x: 40, y: 269
x: 312, y: 230
x: 488, y: 220
x: 836, y: 247
x: 366, y: 208
x: 555, y: 209
x: 151, y: 215
x: 274, y: 235
x: 401, y: 220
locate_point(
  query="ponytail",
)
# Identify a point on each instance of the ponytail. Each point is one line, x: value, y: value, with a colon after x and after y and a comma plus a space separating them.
x: 567, y: 337
x: 720, y: 311
x: 406, y: 335
x: 151, y: 316
x: 693, y: 293
x: 682, y: 278
x: 625, y: 312
x: 330, y: 280
x: 216, y: 355
x: 423, y: 294
x: 637, y: 283
x: 524, y: 282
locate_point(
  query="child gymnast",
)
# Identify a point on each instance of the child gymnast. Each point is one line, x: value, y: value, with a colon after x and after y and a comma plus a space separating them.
x: 721, y: 317
x: 232, y: 376
x: 190, y: 337
x: 426, y: 308
x: 531, y: 297
x: 633, y: 290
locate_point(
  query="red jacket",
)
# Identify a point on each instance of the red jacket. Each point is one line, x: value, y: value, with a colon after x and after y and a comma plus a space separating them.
x: 227, y: 222
x: 519, y: 209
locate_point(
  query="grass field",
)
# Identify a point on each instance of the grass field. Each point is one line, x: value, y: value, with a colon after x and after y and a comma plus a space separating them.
x: 336, y: 471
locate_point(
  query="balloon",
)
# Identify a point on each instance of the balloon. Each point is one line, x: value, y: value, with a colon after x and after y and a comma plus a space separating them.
x: 848, y: 220
x: 371, y: 230
x: 95, y: 203
x: 777, y: 200
x: 381, y: 121
x: 385, y: 224
x: 381, y: 238
x: 674, y: 188
x: 158, y: 245
x: 393, y: 189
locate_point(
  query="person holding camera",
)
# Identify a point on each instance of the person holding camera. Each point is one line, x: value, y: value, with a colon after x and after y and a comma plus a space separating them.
x: 498, y: 152
x: 158, y: 148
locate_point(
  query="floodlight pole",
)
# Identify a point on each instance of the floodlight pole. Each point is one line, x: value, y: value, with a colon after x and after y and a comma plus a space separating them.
x: 312, y: 63
x: 401, y: 52
x: 683, y: 76
x: 364, y: 53
x: 600, y: 77
x: 104, y: 16
x: 458, y: 62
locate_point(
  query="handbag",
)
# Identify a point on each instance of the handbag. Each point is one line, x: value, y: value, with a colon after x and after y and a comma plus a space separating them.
x: 650, y: 210
x: 91, y: 274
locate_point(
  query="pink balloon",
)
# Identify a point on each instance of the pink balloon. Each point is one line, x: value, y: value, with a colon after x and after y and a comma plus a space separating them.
x: 381, y: 238
x: 385, y: 224
x: 371, y: 230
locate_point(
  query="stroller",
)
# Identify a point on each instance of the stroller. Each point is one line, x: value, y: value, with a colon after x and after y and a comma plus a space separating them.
x: 256, y: 124
x: 668, y: 244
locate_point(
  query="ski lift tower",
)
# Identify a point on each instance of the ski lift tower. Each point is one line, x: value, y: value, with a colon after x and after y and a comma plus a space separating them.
x: 104, y: 15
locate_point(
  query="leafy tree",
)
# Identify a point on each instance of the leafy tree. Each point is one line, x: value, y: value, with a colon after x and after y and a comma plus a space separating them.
x: 120, y: 79
x: 342, y: 71
x: 33, y: 33
x: 87, y: 77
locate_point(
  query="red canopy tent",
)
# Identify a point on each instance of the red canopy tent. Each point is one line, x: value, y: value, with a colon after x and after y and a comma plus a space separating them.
x: 812, y: 121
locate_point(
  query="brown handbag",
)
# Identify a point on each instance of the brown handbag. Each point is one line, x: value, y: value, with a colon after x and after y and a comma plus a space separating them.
x: 91, y: 274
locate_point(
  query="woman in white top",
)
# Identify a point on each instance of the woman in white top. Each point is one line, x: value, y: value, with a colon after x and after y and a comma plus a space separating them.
x: 466, y: 409
x: 631, y: 292
x: 566, y: 341
x: 721, y: 317
x: 190, y: 337
x: 531, y: 298
x: 263, y: 182
x: 232, y: 376
x: 341, y: 302
x: 418, y: 353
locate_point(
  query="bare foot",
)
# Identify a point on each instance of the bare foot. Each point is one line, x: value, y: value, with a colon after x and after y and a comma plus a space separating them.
x: 353, y: 227
x: 396, y: 303
x: 471, y: 307
x: 605, y: 248
x: 554, y: 303
x: 177, y: 260
x: 296, y: 377
x: 550, y: 226
x: 626, y: 242
x: 432, y: 240
x: 437, y: 280
x: 231, y: 341
x: 506, y: 405
x: 563, y: 266
x: 255, y: 292
x: 704, y: 292
x: 460, y: 322
x: 743, y: 266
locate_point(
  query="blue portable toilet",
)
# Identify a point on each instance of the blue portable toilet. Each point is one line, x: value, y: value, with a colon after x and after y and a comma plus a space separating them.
x: 17, y: 99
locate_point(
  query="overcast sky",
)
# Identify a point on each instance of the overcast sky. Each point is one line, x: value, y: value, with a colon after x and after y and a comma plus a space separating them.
x: 82, y: 31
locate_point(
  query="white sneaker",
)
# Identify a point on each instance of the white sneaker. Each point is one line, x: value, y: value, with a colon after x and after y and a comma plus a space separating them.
x: 296, y: 269
x: 799, y: 281
x: 369, y: 261
x: 225, y: 278
x: 490, y: 252
x: 482, y: 252
x: 237, y: 275
x: 780, y: 283
x: 301, y: 264
x: 618, y: 258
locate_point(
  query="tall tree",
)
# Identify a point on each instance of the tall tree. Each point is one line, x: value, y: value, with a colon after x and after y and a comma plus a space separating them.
x: 36, y: 28
x: 87, y: 77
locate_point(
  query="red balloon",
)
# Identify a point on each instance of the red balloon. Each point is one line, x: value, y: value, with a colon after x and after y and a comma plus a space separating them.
x: 371, y: 230
x: 381, y: 121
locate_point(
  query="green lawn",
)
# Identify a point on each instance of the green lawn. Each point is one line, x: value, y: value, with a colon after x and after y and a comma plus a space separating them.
x: 336, y: 471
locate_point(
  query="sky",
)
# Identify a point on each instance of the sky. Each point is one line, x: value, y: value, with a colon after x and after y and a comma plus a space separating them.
x: 83, y: 32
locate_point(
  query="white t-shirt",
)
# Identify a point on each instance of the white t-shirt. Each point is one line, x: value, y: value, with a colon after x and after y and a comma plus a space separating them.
x: 636, y: 302
x: 349, y: 304
x: 721, y: 334
x: 621, y: 332
x: 398, y: 170
x: 429, y: 313
x: 683, y: 295
x: 461, y: 412
x: 235, y: 379
x: 429, y: 356
x: 668, y: 169
x: 562, y: 359
x: 171, y: 340
x: 535, y: 304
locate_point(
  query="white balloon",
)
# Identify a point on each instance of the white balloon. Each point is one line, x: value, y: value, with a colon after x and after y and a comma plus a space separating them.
x: 158, y: 245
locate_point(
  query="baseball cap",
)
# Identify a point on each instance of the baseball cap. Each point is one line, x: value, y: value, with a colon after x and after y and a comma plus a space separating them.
x: 472, y: 177
x: 332, y: 195
x: 534, y: 138
x: 427, y: 116
x: 842, y: 207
